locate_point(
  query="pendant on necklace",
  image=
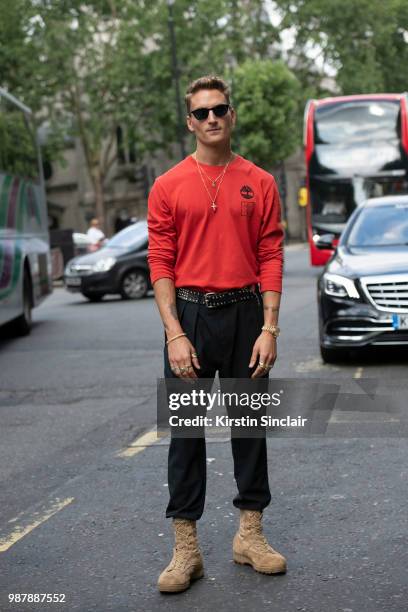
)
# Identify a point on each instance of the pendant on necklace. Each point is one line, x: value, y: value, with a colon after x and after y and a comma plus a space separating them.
x: 214, y: 206
x: 213, y: 183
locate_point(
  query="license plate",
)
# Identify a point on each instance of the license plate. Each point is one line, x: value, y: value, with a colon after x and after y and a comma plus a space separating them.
x: 73, y: 282
x: 400, y: 321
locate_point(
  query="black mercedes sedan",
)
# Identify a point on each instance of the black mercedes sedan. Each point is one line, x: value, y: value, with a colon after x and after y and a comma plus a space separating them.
x: 120, y: 266
x: 363, y: 289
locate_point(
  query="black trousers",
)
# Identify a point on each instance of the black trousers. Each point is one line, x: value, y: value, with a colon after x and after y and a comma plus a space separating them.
x: 223, y: 338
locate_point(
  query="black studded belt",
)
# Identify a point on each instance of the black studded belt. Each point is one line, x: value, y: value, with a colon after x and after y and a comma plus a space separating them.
x: 215, y: 299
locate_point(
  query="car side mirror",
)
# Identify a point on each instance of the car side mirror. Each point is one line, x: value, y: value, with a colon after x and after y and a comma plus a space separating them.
x: 325, y: 241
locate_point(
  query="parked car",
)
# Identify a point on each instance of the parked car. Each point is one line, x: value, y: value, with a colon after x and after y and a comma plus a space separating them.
x: 119, y: 267
x: 363, y: 289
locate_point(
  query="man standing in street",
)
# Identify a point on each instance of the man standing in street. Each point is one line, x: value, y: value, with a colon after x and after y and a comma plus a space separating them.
x: 215, y: 256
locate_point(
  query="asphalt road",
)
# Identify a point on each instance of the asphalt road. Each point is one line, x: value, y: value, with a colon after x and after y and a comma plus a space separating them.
x: 83, y: 488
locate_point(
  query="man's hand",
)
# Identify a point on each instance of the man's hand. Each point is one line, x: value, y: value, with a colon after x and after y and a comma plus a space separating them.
x: 182, y: 355
x: 265, y: 350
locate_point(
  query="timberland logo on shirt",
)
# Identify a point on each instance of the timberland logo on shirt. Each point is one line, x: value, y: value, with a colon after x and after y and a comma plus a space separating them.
x: 247, y: 208
x: 247, y: 192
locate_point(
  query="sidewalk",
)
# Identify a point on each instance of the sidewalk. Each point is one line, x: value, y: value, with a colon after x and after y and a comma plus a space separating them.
x: 296, y: 245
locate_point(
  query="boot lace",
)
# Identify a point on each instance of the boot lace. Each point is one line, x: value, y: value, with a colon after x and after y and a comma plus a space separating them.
x: 186, y: 545
x: 253, y: 528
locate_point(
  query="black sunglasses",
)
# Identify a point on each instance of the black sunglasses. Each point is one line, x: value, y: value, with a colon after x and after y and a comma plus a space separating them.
x: 202, y: 113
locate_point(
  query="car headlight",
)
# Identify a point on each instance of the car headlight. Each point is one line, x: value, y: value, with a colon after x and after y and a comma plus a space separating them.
x: 67, y: 269
x: 339, y: 286
x: 103, y: 265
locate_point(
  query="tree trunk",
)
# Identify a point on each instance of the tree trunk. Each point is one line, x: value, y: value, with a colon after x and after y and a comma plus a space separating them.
x: 97, y: 181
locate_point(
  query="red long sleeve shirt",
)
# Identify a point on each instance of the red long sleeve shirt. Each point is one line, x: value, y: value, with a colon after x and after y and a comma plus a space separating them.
x: 239, y: 244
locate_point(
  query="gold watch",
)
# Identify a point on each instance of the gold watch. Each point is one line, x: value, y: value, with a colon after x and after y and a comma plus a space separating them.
x: 272, y: 329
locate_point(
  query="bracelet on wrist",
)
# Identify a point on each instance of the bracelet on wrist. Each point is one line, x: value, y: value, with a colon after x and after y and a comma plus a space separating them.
x: 175, y: 337
x: 272, y: 329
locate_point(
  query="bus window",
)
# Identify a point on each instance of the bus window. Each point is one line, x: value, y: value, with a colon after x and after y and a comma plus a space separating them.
x: 355, y: 122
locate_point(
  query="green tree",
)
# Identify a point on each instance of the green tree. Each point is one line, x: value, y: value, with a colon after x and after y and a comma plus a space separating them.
x: 15, y: 56
x: 267, y: 98
x: 365, y: 41
x: 89, y: 66
x: 213, y: 36
x: 90, y: 74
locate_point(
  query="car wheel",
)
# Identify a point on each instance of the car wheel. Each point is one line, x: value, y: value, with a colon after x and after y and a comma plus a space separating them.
x: 333, y: 355
x: 22, y: 325
x: 134, y: 285
x: 94, y: 297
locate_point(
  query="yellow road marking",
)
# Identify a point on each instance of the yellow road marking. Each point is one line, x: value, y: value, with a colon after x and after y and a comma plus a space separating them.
x: 20, y: 530
x: 360, y: 418
x: 358, y: 373
x: 141, y: 443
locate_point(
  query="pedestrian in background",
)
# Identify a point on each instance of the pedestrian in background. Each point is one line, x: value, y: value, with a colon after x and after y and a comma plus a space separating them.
x: 95, y: 234
x: 122, y: 220
x: 214, y: 236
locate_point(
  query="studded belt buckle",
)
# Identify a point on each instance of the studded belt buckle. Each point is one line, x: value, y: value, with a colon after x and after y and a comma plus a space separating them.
x: 206, y: 295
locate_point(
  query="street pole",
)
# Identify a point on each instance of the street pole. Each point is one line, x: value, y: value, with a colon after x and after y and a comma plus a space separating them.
x: 176, y: 78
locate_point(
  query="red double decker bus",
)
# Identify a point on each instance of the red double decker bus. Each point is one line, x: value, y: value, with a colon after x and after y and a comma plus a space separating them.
x: 356, y: 147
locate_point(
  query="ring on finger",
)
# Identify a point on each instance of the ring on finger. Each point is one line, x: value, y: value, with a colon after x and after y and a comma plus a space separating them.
x: 194, y: 354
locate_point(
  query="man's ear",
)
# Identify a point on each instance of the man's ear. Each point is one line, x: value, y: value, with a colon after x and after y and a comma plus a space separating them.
x: 189, y: 124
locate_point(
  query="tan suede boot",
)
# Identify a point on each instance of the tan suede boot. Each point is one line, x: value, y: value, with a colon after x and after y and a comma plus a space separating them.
x: 187, y: 562
x: 250, y: 546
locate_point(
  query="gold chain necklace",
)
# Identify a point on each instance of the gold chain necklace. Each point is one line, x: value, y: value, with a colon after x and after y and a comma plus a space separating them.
x: 212, y: 181
x: 212, y: 200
